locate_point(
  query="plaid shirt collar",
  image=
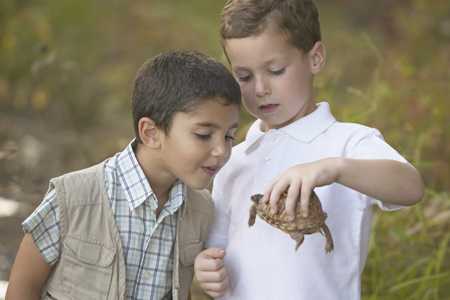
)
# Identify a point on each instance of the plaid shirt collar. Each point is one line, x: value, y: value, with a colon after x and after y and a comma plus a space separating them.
x: 136, y: 186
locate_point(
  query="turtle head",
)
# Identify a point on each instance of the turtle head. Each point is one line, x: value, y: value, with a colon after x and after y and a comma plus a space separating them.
x: 255, y: 198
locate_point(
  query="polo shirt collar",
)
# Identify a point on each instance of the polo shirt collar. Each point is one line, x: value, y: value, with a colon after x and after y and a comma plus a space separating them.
x: 305, y: 129
x: 135, y: 185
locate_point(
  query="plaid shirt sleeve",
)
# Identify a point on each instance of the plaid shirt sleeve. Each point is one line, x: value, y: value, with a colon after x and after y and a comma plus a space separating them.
x: 44, y: 226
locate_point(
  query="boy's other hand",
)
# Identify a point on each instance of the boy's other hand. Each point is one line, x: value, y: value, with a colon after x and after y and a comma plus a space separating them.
x: 301, y: 179
x: 210, y: 272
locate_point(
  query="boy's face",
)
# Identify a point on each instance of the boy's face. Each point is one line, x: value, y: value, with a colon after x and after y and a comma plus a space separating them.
x: 199, y: 142
x: 276, y: 78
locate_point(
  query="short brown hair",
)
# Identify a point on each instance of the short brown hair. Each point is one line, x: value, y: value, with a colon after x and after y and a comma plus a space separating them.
x: 299, y: 19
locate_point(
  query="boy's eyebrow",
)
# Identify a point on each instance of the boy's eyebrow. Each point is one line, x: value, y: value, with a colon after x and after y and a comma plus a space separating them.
x: 239, y: 68
x: 214, y: 125
x: 242, y: 68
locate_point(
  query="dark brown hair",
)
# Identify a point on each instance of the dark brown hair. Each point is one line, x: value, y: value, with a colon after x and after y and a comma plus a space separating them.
x: 177, y: 81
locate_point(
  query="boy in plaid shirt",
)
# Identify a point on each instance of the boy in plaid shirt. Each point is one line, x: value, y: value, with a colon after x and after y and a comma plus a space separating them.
x: 131, y: 226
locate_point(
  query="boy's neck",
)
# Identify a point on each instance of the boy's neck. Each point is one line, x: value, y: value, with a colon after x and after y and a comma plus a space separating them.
x: 161, y: 202
x: 157, y: 176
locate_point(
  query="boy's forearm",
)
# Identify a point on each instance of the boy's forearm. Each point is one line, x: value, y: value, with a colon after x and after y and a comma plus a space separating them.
x: 387, y: 180
x: 22, y: 294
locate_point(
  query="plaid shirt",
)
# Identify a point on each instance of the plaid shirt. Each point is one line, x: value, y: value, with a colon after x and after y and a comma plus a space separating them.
x: 147, y: 241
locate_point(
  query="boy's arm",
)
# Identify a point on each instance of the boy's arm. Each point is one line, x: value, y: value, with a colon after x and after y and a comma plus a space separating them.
x: 209, y: 266
x: 210, y: 272
x: 29, y: 272
x: 388, y: 180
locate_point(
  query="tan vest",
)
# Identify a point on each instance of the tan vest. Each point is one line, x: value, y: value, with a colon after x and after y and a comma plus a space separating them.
x: 91, y: 264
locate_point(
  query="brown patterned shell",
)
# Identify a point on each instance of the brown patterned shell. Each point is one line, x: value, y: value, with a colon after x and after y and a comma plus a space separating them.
x: 314, y: 222
x: 316, y: 216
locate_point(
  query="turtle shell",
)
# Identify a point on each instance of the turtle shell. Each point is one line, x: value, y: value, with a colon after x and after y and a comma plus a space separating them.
x: 299, y: 226
x: 312, y: 223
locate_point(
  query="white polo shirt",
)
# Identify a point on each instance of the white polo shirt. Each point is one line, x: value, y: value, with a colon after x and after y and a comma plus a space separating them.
x: 261, y: 260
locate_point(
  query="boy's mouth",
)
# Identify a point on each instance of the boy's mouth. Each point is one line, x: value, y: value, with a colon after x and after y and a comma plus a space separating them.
x: 211, y: 171
x: 268, y: 108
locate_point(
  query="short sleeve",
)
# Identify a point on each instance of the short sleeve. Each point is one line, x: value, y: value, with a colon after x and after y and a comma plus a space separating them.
x: 218, y: 234
x: 44, y: 226
x: 369, y: 143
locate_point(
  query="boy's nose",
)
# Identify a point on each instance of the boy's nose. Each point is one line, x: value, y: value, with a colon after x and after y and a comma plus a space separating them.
x: 262, y: 87
x: 221, y: 150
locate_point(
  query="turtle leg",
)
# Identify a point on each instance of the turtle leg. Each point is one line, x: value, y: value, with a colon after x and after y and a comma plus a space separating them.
x: 252, y: 217
x: 298, y: 237
x: 329, y: 245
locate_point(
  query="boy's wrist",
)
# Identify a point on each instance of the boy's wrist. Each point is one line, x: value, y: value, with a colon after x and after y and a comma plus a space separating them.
x: 338, y: 166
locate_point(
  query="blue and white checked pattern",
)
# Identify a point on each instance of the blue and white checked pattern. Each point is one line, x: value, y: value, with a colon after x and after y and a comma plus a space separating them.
x: 147, y: 241
x: 43, y: 224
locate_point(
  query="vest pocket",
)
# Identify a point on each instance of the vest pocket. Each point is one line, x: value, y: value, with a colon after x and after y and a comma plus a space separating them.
x: 189, y: 251
x: 88, y: 268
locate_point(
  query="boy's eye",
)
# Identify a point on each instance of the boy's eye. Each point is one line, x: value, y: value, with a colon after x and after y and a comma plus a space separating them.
x: 277, y: 71
x: 230, y: 137
x: 243, y: 77
x: 203, y: 136
x: 231, y: 134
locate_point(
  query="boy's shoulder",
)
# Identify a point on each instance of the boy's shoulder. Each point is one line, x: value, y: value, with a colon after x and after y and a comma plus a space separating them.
x: 349, y: 130
x: 81, y: 176
x: 82, y: 173
x: 80, y: 184
x: 351, y: 127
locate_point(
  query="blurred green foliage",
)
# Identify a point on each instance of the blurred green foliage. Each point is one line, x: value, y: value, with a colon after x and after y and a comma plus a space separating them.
x: 66, y: 69
x: 71, y: 64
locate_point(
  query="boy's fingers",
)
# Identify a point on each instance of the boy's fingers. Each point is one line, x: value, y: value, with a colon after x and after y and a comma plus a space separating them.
x: 215, y: 289
x: 266, y: 195
x: 292, y: 199
x: 268, y: 192
x: 214, y: 294
x: 214, y: 283
x: 208, y: 264
x: 213, y: 253
x: 304, y: 199
x: 277, y: 190
x: 215, y: 276
x: 209, y: 260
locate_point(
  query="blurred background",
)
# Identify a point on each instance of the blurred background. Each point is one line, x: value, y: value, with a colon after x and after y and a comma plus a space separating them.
x: 66, y: 70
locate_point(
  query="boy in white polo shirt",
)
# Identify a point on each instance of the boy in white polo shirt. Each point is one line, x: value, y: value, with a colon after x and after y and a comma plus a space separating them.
x: 275, y: 49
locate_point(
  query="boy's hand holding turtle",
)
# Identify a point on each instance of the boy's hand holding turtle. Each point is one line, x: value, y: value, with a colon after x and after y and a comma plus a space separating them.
x: 301, y: 179
x: 381, y: 179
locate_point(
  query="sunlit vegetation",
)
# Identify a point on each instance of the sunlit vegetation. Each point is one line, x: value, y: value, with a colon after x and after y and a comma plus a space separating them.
x: 66, y: 69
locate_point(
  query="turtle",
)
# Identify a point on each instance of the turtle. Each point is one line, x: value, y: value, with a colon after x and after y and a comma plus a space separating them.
x: 297, y: 228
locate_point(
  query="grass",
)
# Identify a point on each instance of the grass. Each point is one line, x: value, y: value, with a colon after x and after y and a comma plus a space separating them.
x: 409, y: 253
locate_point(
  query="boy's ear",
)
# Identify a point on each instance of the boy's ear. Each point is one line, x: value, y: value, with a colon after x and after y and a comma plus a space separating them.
x: 317, y: 57
x: 149, y: 133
